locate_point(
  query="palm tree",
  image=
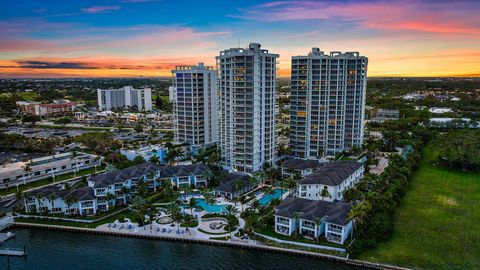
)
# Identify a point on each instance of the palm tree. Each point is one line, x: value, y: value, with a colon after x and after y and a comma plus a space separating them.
x: 27, y: 169
x: 209, y: 197
x: 138, y: 204
x: 290, y: 184
x: 74, y: 157
x: 154, y: 159
x: 324, y: 193
x: 109, y: 198
x: 296, y: 217
x: 255, y: 205
x: 358, y: 214
x: 239, y: 185
x: 242, y: 200
x: 191, y: 204
x: 173, y: 154
x: 69, y: 201
x: 40, y: 204
x: 52, y: 197
x: 318, y: 221
x: 173, y: 210
x: 230, y: 211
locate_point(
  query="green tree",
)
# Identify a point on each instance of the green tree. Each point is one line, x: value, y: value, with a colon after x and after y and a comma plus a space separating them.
x: 230, y: 211
x: 192, y: 203
x: 139, y: 205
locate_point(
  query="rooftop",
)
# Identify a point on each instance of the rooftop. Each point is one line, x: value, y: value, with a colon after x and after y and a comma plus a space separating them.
x: 228, y: 185
x: 332, y: 173
x: 81, y: 194
x: 332, y: 212
x: 301, y: 164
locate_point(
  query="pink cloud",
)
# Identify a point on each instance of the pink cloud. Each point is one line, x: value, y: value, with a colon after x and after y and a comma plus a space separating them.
x: 450, y: 18
x: 100, y: 9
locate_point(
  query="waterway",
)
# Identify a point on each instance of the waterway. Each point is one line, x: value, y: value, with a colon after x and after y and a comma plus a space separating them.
x: 67, y: 250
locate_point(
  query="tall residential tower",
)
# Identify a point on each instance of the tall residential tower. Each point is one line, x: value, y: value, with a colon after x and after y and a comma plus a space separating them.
x: 247, y: 79
x: 327, y: 103
x: 196, y: 105
x: 125, y: 97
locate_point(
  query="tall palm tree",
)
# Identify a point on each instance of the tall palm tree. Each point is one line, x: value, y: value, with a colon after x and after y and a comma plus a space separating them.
x: 173, y: 210
x: 255, y: 205
x: 242, y: 200
x: 52, y: 197
x: 231, y: 211
x: 40, y: 204
x: 138, y: 204
x: 324, y: 193
x: 69, y: 201
x: 109, y: 198
x: 239, y: 186
x: 192, y: 203
x: 296, y: 217
x: 26, y: 169
x: 318, y: 221
x: 358, y: 214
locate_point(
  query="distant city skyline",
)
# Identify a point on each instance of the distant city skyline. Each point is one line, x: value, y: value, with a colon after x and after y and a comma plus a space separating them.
x: 131, y: 38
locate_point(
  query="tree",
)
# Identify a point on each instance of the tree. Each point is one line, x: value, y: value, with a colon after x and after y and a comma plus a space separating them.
x: 52, y: 197
x: 70, y: 200
x: 33, y: 119
x: 173, y: 154
x: 239, y: 185
x: 138, y: 204
x: 230, y: 211
x: 26, y: 169
x: 158, y: 103
x: 318, y: 221
x: 192, y: 203
x: 324, y: 193
x: 242, y: 200
x: 154, y: 159
x: 74, y: 156
x: 109, y: 197
x: 138, y: 128
x: 296, y: 217
x: 358, y: 214
x: 39, y: 198
x: 63, y: 121
x: 255, y: 205
x: 173, y: 210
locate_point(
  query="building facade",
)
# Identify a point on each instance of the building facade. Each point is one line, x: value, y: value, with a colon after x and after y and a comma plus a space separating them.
x: 247, y: 79
x: 314, y: 219
x: 195, y: 105
x: 60, y: 107
x: 125, y: 97
x: 327, y: 103
x: 329, y: 181
x: 19, y: 173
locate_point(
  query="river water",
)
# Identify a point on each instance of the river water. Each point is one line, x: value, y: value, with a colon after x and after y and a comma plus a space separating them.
x: 67, y: 250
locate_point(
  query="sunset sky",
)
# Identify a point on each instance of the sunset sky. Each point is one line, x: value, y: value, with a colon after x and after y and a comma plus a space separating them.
x: 129, y: 38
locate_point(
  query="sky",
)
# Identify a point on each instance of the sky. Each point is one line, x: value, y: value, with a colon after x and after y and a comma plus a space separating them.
x: 131, y: 38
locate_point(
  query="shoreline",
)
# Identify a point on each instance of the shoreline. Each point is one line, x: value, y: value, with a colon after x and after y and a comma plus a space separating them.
x: 264, y: 248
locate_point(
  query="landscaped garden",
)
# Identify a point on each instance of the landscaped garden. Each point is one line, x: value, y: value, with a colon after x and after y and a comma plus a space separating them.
x: 436, y: 224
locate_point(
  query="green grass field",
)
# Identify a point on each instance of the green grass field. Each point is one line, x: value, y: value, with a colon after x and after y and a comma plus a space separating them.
x: 437, y: 225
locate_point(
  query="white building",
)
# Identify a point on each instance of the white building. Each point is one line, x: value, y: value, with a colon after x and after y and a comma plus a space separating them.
x: 329, y: 181
x: 171, y: 94
x: 314, y: 219
x: 23, y: 172
x: 195, y: 105
x: 247, y: 79
x: 327, y: 103
x: 125, y: 97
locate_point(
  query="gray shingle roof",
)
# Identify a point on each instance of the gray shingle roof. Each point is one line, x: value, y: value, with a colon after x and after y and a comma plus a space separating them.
x: 301, y: 164
x: 332, y: 212
x: 82, y: 193
x: 228, y: 185
x: 332, y: 173
x: 137, y: 171
x: 104, y: 180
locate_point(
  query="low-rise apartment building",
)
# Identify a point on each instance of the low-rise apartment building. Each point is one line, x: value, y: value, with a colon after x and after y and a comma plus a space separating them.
x: 329, y: 181
x: 59, y: 107
x: 235, y: 185
x: 314, y: 219
x: 119, y: 184
x: 23, y: 172
x: 300, y: 167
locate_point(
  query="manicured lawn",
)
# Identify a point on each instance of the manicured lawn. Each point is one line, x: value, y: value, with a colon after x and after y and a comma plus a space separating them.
x: 437, y: 225
x: 46, y: 181
x: 120, y: 216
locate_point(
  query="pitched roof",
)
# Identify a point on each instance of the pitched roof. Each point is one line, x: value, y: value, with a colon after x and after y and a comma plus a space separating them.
x: 183, y: 170
x: 81, y: 194
x: 104, y: 180
x: 332, y: 173
x: 301, y: 164
x: 137, y: 171
x: 332, y: 212
x: 228, y: 184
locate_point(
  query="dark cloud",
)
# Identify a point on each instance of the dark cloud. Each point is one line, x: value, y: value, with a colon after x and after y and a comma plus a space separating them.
x: 53, y: 65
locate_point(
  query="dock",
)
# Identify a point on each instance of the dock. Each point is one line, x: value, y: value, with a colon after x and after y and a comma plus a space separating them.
x: 13, y: 252
x: 5, y: 236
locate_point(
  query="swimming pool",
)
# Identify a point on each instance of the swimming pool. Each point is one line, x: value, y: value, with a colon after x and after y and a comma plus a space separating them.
x: 212, y: 208
x: 267, y: 198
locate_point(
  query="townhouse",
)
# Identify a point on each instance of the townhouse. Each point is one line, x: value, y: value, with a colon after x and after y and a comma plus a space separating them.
x: 314, y: 219
x: 302, y: 167
x: 330, y: 180
x: 235, y: 185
